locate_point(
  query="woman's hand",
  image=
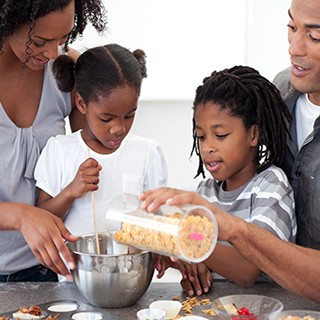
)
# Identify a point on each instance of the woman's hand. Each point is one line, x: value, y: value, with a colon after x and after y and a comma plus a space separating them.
x: 45, y: 234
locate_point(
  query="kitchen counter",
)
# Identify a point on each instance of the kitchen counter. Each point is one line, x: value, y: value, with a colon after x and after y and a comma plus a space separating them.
x: 15, y: 295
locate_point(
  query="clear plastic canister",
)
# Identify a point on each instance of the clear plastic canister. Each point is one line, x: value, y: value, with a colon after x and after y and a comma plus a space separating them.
x: 188, y: 232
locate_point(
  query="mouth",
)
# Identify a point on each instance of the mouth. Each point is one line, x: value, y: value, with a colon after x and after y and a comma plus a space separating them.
x: 40, y: 61
x: 298, y: 70
x: 115, y: 143
x: 213, y: 166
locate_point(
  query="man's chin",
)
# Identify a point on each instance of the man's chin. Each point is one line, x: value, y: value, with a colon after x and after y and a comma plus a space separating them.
x: 299, y: 84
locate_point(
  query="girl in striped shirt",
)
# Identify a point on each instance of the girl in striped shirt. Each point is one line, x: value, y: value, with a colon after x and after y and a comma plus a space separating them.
x: 240, y: 134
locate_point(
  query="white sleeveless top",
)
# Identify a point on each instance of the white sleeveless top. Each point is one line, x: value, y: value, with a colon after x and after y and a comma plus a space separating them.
x: 306, y: 114
x: 20, y: 149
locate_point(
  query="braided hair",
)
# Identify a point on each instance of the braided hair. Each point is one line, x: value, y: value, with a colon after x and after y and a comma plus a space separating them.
x: 256, y: 101
x: 100, y: 70
x: 14, y: 13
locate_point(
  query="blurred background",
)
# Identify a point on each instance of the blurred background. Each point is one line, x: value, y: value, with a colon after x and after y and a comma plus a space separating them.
x: 185, y: 40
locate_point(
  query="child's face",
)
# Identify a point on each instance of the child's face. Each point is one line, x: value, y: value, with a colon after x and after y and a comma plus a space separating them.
x: 227, y: 149
x: 110, y: 119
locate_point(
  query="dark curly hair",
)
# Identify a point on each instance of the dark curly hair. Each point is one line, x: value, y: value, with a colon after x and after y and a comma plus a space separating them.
x: 100, y: 70
x: 15, y: 12
x: 256, y: 101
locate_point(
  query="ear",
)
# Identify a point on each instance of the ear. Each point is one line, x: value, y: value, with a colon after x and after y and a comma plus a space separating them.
x: 254, y: 135
x: 80, y: 103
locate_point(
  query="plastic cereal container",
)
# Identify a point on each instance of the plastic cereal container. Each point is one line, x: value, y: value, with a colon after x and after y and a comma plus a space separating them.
x: 189, y: 232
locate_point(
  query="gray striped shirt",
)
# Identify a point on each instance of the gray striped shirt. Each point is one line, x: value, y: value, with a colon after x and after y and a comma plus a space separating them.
x: 266, y: 200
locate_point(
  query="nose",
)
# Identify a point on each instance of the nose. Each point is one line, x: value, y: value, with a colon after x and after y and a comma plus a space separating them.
x: 118, y: 128
x: 207, y: 147
x: 297, y: 44
x: 52, y: 50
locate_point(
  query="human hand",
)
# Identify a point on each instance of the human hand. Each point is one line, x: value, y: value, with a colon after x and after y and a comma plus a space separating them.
x: 196, y: 278
x: 228, y: 225
x: 45, y: 234
x: 86, y: 179
x: 153, y: 199
x: 162, y: 263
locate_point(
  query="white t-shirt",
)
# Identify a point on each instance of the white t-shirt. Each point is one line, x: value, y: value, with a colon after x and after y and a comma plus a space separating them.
x: 138, y: 165
x: 306, y: 114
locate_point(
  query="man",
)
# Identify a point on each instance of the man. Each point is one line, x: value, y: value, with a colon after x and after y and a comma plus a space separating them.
x: 300, y: 88
x: 294, y: 267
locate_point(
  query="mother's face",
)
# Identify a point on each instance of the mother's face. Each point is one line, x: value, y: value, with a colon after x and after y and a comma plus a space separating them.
x: 35, y: 49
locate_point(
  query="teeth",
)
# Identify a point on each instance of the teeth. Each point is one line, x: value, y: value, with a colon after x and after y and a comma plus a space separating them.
x: 299, y: 68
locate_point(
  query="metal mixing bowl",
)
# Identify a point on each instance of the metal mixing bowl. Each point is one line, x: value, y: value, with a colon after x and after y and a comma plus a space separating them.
x: 115, y: 278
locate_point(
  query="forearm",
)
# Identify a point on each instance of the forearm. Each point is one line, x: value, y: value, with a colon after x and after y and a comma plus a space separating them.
x: 293, y: 267
x: 58, y: 205
x: 223, y: 261
x: 11, y: 215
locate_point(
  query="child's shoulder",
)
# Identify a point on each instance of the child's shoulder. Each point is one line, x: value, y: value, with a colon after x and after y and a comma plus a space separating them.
x: 273, y: 171
x: 272, y: 175
x: 63, y: 140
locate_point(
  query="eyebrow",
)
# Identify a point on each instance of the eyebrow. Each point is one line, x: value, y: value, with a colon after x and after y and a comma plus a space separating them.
x: 215, y: 126
x: 308, y: 25
x: 46, y: 39
x: 112, y: 115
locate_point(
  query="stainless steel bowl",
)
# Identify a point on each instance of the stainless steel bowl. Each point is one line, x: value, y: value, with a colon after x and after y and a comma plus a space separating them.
x: 115, y: 278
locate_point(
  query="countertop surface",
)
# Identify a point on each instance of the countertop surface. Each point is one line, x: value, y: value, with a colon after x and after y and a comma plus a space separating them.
x: 15, y: 295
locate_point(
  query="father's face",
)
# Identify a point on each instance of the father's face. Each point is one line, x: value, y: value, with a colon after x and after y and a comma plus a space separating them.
x: 304, y: 49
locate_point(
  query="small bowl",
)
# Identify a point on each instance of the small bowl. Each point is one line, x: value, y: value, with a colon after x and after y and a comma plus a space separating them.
x: 260, y: 307
x: 148, y: 314
x: 296, y: 315
x: 170, y: 307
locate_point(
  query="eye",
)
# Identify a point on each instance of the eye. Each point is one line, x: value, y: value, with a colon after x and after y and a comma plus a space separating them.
x: 221, y: 136
x: 130, y: 115
x: 200, y: 138
x: 38, y: 44
x: 291, y: 27
x: 316, y: 40
x: 106, y: 120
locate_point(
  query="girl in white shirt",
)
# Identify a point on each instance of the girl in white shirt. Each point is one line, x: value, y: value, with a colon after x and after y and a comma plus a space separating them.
x: 104, y: 157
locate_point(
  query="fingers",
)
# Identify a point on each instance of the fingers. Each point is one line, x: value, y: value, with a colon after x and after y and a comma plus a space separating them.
x: 89, y: 171
x: 49, y: 256
x: 44, y: 258
x: 162, y: 264
x: 205, y: 277
x: 153, y: 199
x: 45, y: 235
x: 187, y: 197
x: 199, y: 280
x: 62, y: 247
x: 187, y: 287
x: 86, y: 179
x: 57, y: 256
x: 183, y: 268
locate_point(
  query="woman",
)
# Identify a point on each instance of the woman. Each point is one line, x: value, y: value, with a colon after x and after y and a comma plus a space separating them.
x: 32, y: 109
